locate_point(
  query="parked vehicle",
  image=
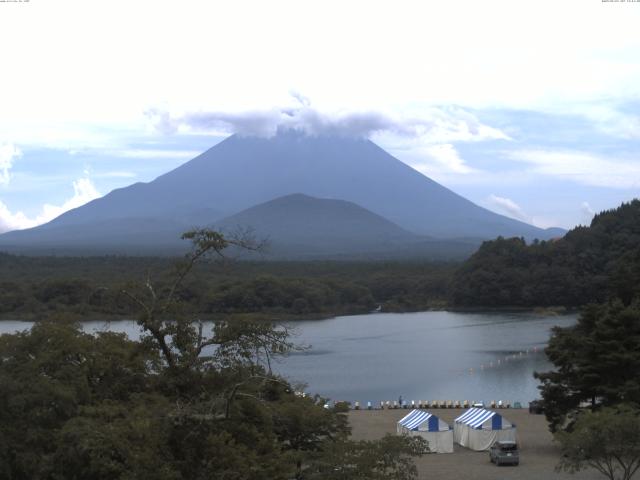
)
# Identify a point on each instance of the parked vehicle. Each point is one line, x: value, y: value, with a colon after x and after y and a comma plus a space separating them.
x: 504, y: 453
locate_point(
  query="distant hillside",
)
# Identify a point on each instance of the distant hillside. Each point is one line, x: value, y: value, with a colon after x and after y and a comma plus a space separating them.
x: 590, y: 264
x: 242, y: 172
x: 299, y: 226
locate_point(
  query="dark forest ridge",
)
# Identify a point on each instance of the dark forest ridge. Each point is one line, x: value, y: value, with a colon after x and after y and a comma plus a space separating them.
x: 589, y: 264
x: 243, y: 172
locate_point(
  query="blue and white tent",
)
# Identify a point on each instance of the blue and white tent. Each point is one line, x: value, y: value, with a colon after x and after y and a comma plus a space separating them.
x: 478, y: 429
x: 436, y: 432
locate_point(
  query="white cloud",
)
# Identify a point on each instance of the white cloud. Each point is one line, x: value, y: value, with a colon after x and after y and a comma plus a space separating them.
x: 8, y: 152
x: 13, y: 221
x: 608, y: 118
x: 587, y: 212
x: 431, y: 125
x: 581, y: 167
x: 509, y: 208
x: 155, y: 153
x: 447, y: 155
x: 73, y: 137
x: 83, y: 191
x: 466, y: 53
x: 436, y: 160
x: 116, y: 174
x: 622, y: 125
x: 420, y: 140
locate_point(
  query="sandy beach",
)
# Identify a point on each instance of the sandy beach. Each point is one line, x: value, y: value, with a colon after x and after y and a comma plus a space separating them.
x: 538, y: 453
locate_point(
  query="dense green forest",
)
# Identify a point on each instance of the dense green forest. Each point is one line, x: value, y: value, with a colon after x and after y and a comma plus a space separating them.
x: 33, y: 287
x: 587, y: 265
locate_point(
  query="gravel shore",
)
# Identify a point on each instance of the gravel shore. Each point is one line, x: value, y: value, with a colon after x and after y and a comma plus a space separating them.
x: 538, y: 453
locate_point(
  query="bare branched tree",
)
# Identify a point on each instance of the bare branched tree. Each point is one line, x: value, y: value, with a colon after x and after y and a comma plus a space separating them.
x: 182, y: 341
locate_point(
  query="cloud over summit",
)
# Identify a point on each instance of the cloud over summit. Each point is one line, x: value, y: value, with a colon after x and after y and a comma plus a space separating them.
x: 433, y: 125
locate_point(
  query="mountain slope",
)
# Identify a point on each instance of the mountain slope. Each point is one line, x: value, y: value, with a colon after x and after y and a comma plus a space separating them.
x: 242, y: 172
x: 298, y: 226
x: 131, y: 236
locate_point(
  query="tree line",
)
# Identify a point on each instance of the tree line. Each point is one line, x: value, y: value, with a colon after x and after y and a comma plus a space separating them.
x: 38, y: 287
x: 588, y: 265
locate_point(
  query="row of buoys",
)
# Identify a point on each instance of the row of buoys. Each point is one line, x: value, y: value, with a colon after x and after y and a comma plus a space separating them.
x: 395, y: 405
x: 506, y: 359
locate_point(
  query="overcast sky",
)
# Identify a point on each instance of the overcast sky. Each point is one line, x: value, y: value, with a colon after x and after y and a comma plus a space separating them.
x: 528, y: 108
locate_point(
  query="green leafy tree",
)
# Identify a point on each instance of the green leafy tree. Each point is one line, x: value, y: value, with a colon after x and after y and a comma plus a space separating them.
x: 48, y: 375
x: 588, y: 265
x: 188, y: 401
x: 596, y: 361
x: 607, y: 440
x: 386, y: 459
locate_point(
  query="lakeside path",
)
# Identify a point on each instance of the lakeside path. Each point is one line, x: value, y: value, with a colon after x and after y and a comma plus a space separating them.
x: 538, y: 454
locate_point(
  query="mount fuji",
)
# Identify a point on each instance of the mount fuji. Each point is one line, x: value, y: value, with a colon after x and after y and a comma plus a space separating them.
x: 376, y: 197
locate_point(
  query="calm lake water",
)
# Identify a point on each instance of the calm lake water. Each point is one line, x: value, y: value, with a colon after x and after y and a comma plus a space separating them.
x: 425, y: 355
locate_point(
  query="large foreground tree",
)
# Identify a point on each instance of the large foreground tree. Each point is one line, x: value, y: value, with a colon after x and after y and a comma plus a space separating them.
x: 596, y: 362
x: 190, y: 400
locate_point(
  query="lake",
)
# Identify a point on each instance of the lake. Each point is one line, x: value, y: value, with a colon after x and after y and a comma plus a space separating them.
x: 421, y: 356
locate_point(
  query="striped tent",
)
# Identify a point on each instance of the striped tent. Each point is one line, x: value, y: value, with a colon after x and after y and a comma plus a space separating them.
x: 436, y: 432
x: 478, y: 429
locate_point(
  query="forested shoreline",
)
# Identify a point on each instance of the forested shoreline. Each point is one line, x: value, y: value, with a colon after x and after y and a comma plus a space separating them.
x: 588, y: 265
x: 92, y: 287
